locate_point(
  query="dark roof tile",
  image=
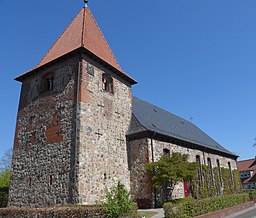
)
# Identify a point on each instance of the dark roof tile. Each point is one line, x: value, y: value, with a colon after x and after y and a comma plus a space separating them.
x: 163, y: 122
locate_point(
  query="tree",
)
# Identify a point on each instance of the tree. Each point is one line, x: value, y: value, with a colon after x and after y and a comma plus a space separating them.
x: 6, y: 160
x: 5, y: 177
x: 5, y: 169
x: 169, y: 171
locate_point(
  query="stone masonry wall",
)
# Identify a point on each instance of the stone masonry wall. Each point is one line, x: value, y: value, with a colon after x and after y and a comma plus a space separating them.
x: 141, y: 154
x: 141, y: 188
x: 42, y: 159
x: 104, y: 120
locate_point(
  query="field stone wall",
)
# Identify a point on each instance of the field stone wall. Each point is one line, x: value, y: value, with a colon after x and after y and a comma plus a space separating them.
x: 42, y: 158
x: 104, y: 120
x: 141, y: 154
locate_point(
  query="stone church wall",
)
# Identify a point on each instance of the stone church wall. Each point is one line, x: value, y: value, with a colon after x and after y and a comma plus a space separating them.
x: 42, y: 159
x: 141, y: 154
x: 104, y: 120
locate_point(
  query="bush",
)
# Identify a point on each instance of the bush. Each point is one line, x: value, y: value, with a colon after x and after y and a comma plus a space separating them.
x: 119, y: 203
x: 54, y: 212
x: 4, y: 197
x: 204, y: 206
x: 181, y: 200
x: 252, y: 195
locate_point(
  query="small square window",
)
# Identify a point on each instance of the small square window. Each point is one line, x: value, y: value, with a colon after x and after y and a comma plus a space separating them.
x: 90, y: 69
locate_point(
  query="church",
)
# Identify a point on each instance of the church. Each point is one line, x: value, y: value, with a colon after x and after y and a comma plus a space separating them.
x: 80, y: 130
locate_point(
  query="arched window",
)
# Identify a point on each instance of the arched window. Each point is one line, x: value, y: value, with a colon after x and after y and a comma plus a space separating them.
x: 166, y: 152
x: 107, y: 83
x: 210, y: 170
x: 47, y: 82
x: 219, y: 172
x: 199, y: 170
x: 231, y: 175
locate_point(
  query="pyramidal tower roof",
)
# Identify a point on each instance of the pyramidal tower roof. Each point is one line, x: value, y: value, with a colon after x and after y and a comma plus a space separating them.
x: 82, y: 32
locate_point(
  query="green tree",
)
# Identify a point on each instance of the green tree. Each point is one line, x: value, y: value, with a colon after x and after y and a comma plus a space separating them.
x: 169, y: 171
x: 5, y: 177
x: 5, y: 169
x: 6, y: 160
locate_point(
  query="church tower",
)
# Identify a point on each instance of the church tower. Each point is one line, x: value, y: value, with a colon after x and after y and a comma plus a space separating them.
x: 74, y: 113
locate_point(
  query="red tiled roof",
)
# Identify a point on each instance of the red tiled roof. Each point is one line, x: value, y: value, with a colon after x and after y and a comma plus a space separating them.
x: 246, y: 165
x: 84, y: 32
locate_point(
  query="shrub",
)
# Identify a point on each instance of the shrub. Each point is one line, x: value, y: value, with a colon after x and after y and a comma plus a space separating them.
x: 119, y: 203
x: 252, y: 195
x: 203, y: 206
x: 4, y: 197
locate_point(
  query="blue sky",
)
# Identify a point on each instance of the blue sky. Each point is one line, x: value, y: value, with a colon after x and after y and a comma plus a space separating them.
x: 193, y: 58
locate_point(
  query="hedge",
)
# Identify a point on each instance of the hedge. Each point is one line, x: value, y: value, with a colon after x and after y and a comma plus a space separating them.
x: 203, y: 206
x: 252, y: 195
x: 4, y: 197
x: 54, y: 212
x: 57, y: 212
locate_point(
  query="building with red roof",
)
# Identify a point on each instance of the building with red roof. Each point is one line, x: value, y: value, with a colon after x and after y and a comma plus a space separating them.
x: 247, y: 170
x: 79, y: 130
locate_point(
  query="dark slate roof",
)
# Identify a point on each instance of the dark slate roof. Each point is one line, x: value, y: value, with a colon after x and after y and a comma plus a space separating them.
x: 147, y: 116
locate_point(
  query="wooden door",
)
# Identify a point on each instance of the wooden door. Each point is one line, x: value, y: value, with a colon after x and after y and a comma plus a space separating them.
x: 185, y: 189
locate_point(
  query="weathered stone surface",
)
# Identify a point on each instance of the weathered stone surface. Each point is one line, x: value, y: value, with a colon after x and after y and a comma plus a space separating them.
x: 141, y: 154
x: 70, y: 142
x: 43, y: 141
x: 104, y: 121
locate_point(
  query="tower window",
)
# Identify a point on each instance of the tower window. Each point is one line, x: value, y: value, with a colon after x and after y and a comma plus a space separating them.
x: 47, y: 83
x: 90, y: 69
x: 107, y: 83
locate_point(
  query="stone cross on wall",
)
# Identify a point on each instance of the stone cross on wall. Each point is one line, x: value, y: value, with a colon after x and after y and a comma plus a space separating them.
x: 98, y: 134
x: 101, y: 105
x: 120, y: 139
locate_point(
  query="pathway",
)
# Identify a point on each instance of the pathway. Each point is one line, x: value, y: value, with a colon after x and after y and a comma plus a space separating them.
x: 248, y: 213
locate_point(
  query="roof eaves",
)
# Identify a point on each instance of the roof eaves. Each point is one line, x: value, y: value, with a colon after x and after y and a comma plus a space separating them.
x: 155, y: 130
x: 81, y: 49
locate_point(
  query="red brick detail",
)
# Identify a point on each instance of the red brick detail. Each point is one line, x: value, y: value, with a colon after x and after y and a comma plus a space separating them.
x: 108, y: 105
x: 53, y: 133
x: 16, y: 141
x: 228, y: 211
x: 84, y: 95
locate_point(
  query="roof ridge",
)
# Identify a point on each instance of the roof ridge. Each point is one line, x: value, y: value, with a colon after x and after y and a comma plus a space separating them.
x: 83, y: 28
x: 246, y: 160
x: 105, y: 41
x: 57, y: 39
